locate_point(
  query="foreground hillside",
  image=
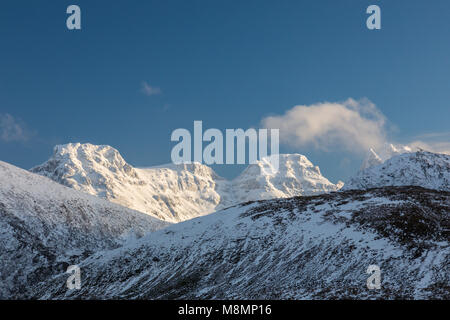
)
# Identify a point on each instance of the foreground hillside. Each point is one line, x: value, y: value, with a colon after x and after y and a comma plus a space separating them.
x: 316, y: 247
x: 46, y: 226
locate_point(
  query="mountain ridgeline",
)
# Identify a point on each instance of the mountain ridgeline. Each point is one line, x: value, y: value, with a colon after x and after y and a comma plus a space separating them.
x: 286, y: 234
x: 421, y: 168
x: 178, y: 192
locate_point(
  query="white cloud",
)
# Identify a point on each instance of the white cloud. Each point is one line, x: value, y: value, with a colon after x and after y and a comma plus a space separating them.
x: 352, y: 125
x: 438, y: 142
x: 150, y: 90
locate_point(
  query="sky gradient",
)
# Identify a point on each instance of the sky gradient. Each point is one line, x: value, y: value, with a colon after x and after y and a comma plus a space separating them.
x: 140, y: 69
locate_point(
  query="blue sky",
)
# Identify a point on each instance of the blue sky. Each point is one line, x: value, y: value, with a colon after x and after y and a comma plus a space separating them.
x: 228, y: 63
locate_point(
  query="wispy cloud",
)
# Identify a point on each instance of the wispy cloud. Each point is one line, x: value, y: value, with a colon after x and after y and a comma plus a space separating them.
x: 433, y: 146
x: 438, y: 142
x: 12, y: 129
x: 352, y: 125
x: 150, y: 90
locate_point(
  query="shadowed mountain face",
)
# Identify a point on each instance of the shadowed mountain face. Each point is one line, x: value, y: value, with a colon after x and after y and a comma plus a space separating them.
x: 316, y: 247
x: 386, y: 152
x: 44, y: 227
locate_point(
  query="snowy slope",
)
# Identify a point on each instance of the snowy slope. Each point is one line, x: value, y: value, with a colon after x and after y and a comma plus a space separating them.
x: 299, y: 248
x: 43, y: 222
x: 177, y: 192
x: 421, y: 168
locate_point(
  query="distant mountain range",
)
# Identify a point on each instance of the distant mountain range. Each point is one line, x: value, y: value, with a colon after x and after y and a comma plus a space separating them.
x: 178, y: 192
x: 299, y: 237
x: 384, y: 153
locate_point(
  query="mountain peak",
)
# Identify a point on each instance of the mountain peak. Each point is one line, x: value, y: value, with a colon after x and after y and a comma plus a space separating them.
x: 420, y: 168
x: 372, y: 159
x: 376, y: 157
x: 102, y: 154
x: 295, y: 175
x: 93, y: 166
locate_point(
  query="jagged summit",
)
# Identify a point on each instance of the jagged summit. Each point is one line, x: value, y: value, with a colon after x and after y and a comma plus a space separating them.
x: 87, y: 165
x: 421, y: 168
x: 376, y: 157
x: 295, y: 175
x: 46, y: 226
x: 178, y: 192
x: 172, y: 193
x: 311, y: 247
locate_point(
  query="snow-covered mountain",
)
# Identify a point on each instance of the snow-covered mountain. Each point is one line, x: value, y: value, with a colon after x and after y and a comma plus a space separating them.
x: 374, y: 158
x: 421, y: 168
x: 177, y: 192
x: 308, y: 247
x: 44, y: 226
x: 315, y: 247
x: 296, y: 176
x: 172, y: 193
